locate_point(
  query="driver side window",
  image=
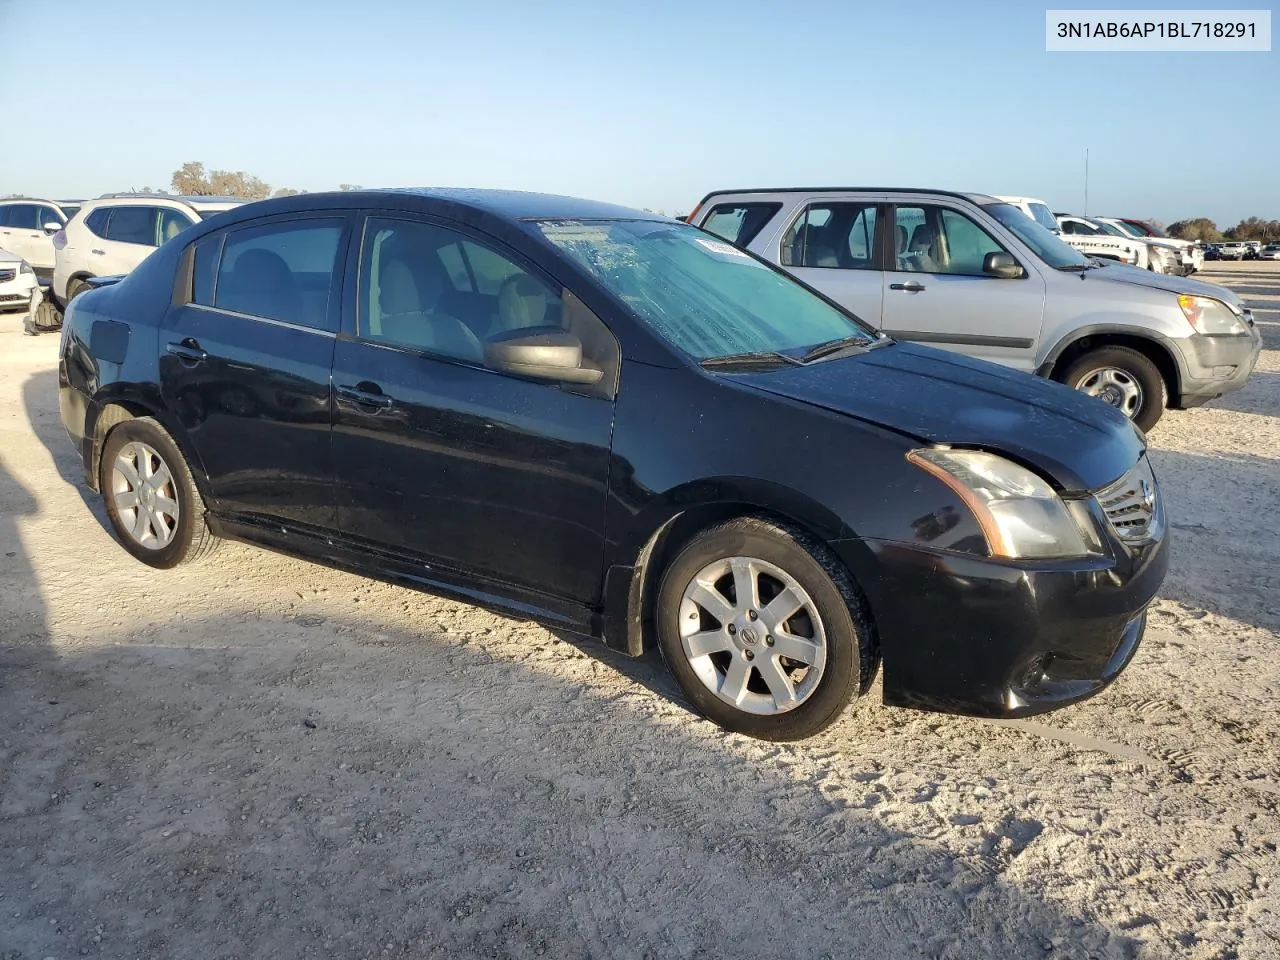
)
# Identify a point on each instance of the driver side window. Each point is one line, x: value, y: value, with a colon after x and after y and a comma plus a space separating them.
x: 939, y: 240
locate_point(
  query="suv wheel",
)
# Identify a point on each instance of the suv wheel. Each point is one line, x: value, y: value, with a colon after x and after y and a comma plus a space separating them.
x: 763, y: 630
x: 151, y: 497
x: 75, y: 288
x: 1122, y: 377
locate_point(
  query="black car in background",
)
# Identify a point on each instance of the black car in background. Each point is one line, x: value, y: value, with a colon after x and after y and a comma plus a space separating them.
x: 621, y: 426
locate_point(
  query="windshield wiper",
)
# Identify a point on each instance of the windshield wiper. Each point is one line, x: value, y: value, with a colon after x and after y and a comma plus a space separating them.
x: 836, y: 346
x: 757, y: 358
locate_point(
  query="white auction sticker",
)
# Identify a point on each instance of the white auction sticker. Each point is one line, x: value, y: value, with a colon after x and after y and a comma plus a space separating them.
x: 1130, y: 31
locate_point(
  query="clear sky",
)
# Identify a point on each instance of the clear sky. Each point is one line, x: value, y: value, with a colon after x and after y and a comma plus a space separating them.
x: 644, y: 103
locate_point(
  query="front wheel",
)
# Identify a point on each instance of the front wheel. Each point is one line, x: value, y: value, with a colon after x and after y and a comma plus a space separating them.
x: 764, y: 631
x: 152, y: 500
x: 1122, y: 377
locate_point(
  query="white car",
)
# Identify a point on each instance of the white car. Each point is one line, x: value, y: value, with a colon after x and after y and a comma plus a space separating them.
x: 1037, y: 210
x: 111, y: 235
x: 1093, y: 239
x: 27, y: 227
x: 19, y: 289
x: 1270, y: 252
x: 1190, y: 253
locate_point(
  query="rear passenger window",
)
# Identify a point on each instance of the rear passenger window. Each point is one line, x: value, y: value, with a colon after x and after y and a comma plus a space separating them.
x: 23, y: 216
x: 281, y: 271
x: 133, y: 225
x: 832, y: 235
x: 739, y: 223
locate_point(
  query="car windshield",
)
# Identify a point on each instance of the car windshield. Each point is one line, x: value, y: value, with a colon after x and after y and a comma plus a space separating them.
x: 1110, y: 229
x: 1130, y: 229
x: 1043, y: 216
x: 1056, y: 253
x: 703, y: 295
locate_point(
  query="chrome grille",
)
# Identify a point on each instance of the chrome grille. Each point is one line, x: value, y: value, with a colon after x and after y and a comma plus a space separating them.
x: 7, y: 275
x: 1132, y: 504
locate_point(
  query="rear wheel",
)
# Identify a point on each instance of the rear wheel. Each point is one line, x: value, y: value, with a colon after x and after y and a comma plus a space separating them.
x: 1122, y: 377
x: 75, y: 288
x: 763, y: 630
x: 152, y: 500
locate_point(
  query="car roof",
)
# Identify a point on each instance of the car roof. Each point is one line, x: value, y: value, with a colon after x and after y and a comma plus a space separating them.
x: 978, y: 198
x: 28, y: 200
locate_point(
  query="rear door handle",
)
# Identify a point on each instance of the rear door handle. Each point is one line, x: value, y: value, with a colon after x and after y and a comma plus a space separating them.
x: 911, y: 286
x: 188, y: 351
x: 101, y: 253
x: 366, y: 394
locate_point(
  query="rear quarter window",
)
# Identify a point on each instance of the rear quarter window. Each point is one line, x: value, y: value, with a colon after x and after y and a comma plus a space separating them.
x: 96, y: 221
x: 739, y: 223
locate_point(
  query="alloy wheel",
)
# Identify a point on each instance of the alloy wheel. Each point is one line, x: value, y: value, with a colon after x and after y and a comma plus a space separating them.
x: 144, y: 495
x: 1114, y: 386
x: 753, y: 635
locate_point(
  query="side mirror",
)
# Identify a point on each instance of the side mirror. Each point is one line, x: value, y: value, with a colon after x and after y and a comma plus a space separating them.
x: 1002, y: 265
x: 52, y: 227
x: 541, y: 353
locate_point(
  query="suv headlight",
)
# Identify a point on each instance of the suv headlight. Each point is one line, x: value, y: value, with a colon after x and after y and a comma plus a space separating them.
x: 1020, y: 514
x: 1209, y: 316
x: 25, y: 268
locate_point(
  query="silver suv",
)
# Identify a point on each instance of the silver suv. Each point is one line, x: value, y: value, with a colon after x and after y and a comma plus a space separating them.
x: 970, y: 273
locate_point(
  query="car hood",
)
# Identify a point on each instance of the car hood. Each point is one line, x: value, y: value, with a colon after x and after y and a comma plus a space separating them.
x: 1163, y: 281
x: 945, y: 398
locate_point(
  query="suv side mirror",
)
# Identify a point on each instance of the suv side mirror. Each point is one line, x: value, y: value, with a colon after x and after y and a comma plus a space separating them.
x: 52, y: 227
x: 541, y: 353
x: 1002, y: 265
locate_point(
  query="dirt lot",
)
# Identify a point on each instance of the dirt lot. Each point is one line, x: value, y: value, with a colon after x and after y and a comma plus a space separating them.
x: 264, y: 758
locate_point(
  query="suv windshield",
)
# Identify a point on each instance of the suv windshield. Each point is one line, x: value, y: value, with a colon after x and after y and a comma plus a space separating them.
x: 1043, y: 216
x: 699, y: 293
x: 1056, y: 253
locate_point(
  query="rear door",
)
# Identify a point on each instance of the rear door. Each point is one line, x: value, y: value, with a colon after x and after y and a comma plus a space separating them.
x: 833, y: 245
x: 936, y: 292
x: 245, y: 362
x: 130, y: 238
x: 438, y: 457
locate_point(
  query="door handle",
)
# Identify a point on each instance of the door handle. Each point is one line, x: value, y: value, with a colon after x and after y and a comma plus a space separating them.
x: 911, y: 286
x: 188, y: 351
x: 101, y: 253
x: 366, y: 394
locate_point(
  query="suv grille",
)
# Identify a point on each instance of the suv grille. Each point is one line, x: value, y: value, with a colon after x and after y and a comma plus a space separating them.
x: 1132, y: 504
x: 7, y: 275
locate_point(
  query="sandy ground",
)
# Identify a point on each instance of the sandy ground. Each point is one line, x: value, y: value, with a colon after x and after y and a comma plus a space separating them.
x: 263, y: 758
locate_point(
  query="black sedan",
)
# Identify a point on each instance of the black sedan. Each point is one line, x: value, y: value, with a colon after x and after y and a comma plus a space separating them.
x: 621, y: 426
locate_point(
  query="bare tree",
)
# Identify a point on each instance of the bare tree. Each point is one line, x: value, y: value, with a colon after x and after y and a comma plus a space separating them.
x: 286, y: 192
x: 344, y: 187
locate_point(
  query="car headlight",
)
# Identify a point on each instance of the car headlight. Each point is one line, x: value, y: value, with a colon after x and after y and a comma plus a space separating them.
x: 25, y: 268
x: 1020, y: 514
x: 1209, y: 316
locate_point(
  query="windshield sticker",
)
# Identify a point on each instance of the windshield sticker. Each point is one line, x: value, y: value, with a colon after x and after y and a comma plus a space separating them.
x: 718, y: 246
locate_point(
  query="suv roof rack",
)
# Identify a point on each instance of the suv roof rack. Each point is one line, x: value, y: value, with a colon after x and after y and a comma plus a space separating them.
x: 942, y: 193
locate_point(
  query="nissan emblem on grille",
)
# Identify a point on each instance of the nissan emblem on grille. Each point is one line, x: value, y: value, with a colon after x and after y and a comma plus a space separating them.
x: 1130, y: 504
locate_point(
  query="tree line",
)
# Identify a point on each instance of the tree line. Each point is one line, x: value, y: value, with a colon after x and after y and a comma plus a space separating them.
x: 1205, y: 230
x: 192, y: 180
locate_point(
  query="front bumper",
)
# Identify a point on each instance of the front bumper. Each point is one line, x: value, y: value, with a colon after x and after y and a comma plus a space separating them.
x: 981, y: 637
x: 20, y: 293
x: 1212, y: 366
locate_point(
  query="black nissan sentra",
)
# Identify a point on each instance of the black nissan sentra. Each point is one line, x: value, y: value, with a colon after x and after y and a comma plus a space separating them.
x: 621, y: 426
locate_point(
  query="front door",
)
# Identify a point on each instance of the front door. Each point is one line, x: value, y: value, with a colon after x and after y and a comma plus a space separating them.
x: 436, y: 456
x: 937, y: 293
x: 246, y: 366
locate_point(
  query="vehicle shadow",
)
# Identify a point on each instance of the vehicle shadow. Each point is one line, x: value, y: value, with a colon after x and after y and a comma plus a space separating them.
x: 1261, y: 395
x: 250, y: 786
x: 24, y: 636
x: 1225, y: 533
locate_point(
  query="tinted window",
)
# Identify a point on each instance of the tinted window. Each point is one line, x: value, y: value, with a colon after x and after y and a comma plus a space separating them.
x: 703, y: 295
x: 24, y: 216
x: 96, y: 221
x: 172, y: 223
x: 739, y: 223
x: 412, y: 294
x: 50, y: 215
x: 838, y: 235
x: 281, y: 271
x: 133, y: 225
x: 4, y: 214
x: 204, y: 270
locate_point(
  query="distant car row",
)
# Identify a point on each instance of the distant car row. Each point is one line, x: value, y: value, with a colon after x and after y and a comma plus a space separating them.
x: 1242, y: 250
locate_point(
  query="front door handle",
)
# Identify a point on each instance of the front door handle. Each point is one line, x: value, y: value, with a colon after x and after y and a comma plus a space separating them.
x: 188, y: 351
x: 101, y: 253
x: 366, y: 394
x: 911, y: 286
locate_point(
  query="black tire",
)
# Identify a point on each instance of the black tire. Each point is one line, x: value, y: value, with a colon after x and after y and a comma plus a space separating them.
x: 850, y: 646
x: 75, y: 288
x: 47, y: 315
x: 191, y: 540
x: 1135, y: 365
